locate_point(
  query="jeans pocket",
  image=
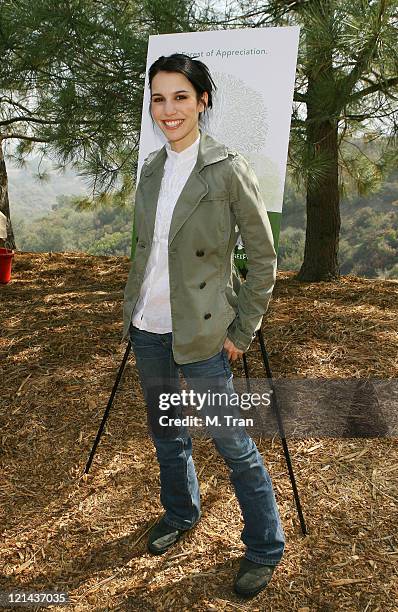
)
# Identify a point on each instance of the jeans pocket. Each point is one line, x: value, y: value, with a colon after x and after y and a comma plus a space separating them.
x: 141, y: 339
x: 227, y: 367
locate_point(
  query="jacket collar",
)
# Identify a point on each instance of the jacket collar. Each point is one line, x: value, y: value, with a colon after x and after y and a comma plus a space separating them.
x: 210, y: 151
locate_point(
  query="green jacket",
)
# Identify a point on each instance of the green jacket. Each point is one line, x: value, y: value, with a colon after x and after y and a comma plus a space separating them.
x: 220, y: 199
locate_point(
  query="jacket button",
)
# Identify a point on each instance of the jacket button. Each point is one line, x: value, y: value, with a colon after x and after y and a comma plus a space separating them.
x: 200, y: 253
x: 207, y: 315
x: 202, y: 285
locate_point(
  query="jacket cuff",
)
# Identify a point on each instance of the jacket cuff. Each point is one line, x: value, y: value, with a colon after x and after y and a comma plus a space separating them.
x: 241, y: 340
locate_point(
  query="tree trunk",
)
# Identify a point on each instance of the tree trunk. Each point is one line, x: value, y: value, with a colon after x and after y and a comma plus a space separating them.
x: 4, y: 203
x: 323, y: 209
x: 323, y: 200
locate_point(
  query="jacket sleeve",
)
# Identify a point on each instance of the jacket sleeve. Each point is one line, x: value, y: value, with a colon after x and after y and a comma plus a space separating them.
x: 255, y: 229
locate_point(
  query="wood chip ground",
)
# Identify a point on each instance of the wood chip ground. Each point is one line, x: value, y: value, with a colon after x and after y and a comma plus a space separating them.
x: 60, y: 352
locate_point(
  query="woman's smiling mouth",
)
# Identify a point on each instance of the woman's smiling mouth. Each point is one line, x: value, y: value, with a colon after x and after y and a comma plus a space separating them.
x: 172, y: 124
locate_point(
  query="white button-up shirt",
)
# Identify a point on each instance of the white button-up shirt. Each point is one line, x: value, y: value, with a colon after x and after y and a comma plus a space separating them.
x: 152, y: 311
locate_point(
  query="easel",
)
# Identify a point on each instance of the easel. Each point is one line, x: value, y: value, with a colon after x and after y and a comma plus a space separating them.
x: 275, y: 406
x: 274, y: 403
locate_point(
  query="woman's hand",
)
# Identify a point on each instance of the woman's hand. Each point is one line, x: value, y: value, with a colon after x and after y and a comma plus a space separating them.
x: 232, y: 350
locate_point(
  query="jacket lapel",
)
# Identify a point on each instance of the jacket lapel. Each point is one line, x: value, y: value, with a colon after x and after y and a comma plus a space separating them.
x: 150, y: 182
x: 209, y: 152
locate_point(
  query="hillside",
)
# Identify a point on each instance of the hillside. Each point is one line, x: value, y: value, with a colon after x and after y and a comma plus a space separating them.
x: 60, y: 353
x: 44, y: 219
x: 31, y: 198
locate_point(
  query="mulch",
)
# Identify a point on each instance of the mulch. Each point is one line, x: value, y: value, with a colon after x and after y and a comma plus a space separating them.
x: 86, y: 534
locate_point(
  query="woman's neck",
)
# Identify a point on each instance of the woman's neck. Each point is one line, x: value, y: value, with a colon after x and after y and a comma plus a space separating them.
x: 179, y: 145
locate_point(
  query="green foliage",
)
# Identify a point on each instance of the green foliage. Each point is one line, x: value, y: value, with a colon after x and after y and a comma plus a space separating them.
x: 369, y: 231
x: 72, y: 78
x: 106, y: 231
x: 291, y: 249
x: 111, y: 244
x: 368, y: 247
x: 369, y: 243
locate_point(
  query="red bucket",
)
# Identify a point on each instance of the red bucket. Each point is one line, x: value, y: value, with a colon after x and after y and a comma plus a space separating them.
x: 6, y: 256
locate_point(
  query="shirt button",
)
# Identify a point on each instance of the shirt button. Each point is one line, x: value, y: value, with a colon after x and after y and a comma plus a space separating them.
x: 200, y: 253
x: 202, y: 285
x: 207, y: 315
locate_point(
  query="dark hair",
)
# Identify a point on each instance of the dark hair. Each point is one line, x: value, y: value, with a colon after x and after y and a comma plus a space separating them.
x: 194, y: 70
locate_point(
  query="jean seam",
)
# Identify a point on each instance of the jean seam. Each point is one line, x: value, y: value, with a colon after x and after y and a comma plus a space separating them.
x: 186, y: 474
x: 260, y: 560
x: 172, y: 523
x: 227, y: 370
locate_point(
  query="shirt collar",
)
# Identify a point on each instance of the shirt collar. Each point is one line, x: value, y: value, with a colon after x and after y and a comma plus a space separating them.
x: 210, y: 151
x: 187, y: 154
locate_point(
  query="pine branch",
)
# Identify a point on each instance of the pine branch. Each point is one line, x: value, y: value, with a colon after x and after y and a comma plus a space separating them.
x: 23, y: 137
x: 29, y: 120
x: 300, y: 97
x: 365, y: 55
x: 16, y: 104
x: 391, y: 82
x: 298, y: 123
x: 370, y: 116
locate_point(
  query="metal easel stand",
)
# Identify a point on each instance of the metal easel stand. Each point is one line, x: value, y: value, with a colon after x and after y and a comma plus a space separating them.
x: 274, y: 404
x: 106, y: 413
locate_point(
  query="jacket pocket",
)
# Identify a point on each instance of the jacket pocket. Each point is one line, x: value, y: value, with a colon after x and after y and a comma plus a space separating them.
x: 229, y: 310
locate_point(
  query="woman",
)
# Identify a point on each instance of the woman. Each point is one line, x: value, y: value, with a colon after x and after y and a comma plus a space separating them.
x: 185, y: 313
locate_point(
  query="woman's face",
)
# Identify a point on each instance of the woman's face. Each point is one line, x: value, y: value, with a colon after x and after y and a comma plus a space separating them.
x: 174, y: 107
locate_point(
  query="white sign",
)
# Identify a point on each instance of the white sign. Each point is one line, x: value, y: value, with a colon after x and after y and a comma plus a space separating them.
x: 254, y: 71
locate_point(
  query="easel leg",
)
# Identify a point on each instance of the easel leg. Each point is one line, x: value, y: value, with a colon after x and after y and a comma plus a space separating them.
x: 274, y: 403
x: 106, y: 413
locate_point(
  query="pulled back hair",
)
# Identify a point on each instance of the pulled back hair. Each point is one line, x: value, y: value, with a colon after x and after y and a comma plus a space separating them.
x: 194, y: 70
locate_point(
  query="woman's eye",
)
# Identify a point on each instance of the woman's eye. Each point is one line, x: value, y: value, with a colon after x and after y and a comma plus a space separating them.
x: 179, y: 97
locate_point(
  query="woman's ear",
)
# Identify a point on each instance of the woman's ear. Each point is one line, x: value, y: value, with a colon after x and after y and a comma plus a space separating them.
x: 204, y: 99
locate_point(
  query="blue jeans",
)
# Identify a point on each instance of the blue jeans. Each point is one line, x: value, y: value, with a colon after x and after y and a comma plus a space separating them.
x: 263, y: 534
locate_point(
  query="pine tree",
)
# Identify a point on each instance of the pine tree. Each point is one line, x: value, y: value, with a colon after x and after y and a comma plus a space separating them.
x: 346, y: 85
x: 71, y: 87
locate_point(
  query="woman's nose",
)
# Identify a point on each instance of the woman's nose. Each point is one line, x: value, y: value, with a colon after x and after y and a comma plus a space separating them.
x: 169, y: 108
